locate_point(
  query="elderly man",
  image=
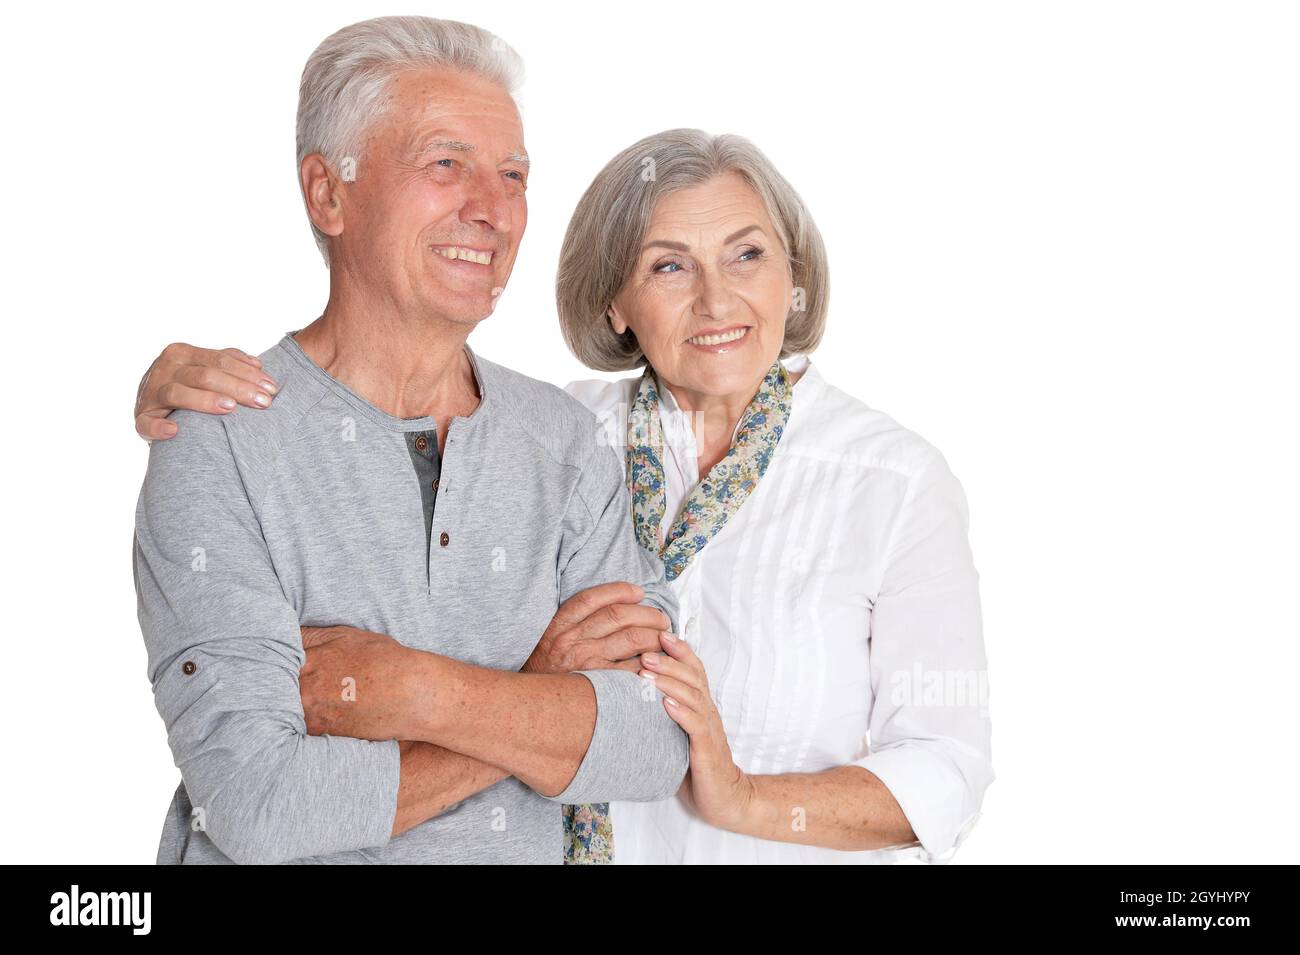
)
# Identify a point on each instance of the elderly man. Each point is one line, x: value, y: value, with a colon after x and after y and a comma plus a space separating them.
x: 364, y: 607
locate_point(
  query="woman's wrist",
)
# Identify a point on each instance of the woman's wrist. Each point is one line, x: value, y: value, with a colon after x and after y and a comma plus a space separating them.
x: 741, y: 810
x: 764, y: 812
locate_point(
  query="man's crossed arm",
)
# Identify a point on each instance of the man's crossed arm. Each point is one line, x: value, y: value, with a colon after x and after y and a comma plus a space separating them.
x: 464, y: 728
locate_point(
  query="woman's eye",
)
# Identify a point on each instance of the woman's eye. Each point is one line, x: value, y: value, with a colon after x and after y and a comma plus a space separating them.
x: 753, y: 251
x: 661, y: 268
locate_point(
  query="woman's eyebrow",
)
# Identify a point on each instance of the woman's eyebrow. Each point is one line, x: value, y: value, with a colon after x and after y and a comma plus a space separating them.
x: 682, y: 247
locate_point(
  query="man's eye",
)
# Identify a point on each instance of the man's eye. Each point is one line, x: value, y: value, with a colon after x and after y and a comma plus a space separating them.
x: 449, y: 163
x: 519, y: 176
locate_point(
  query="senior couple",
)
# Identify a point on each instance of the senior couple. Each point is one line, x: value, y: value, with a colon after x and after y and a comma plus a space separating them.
x: 404, y: 605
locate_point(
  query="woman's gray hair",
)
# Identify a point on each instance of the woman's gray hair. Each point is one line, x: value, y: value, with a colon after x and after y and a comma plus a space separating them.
x: 604, y: 238
x: 345, y: 83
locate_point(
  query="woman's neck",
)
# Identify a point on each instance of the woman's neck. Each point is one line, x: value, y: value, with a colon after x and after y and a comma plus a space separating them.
x: 713, y: 418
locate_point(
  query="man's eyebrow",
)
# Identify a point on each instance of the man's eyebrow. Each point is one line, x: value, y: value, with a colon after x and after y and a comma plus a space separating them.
x: 457, y: 145
x: 680, y: 247
x: 448, y: 144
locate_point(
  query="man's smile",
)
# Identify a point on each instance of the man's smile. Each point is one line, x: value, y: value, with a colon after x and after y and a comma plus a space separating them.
x: 462, y: 253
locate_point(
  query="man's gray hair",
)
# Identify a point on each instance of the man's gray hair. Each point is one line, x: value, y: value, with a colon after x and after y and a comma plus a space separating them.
x: 345, y: 83
x: 609, y: 225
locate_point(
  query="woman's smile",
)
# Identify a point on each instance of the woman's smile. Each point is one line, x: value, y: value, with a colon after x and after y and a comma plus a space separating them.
x: 722, y: 341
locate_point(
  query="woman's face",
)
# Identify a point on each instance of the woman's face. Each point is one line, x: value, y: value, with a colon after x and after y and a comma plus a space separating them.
x: 710, y: 292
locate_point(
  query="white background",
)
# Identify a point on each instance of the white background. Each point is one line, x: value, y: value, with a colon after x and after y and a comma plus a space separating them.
x: 1063, y: 243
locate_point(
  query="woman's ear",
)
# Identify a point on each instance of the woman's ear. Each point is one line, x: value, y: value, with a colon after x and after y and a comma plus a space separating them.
x: 615, y: 322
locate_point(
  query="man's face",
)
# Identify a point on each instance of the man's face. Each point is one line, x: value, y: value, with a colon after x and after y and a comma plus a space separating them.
x: 433, y: 221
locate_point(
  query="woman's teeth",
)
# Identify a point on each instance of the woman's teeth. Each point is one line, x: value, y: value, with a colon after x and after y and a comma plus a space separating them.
x: 454, y: 252
x: 718, y: 339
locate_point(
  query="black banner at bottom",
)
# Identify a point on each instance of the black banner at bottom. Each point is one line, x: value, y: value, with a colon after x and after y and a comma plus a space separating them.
x: 1225, y: 903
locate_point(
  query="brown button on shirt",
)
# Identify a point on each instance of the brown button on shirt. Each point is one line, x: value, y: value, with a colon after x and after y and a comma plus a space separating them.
x: 423, y: 447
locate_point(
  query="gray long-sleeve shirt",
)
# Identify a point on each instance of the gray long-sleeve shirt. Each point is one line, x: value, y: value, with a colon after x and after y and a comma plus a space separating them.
x: 254, y: 524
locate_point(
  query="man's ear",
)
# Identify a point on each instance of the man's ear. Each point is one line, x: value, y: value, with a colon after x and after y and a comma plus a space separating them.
x: 323, y: 192
x: 615, y: 321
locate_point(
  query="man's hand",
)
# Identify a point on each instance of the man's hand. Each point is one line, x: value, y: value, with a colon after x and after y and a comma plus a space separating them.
x: 600, y: 628
x: 357, y: 683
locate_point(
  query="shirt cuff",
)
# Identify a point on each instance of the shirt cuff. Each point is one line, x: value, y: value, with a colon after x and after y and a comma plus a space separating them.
x: 375, y: 825
x: 932, y: 795
x: 628, y: 752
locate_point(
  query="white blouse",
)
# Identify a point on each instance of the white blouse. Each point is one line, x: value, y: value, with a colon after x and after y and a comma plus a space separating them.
x: 838, y: 618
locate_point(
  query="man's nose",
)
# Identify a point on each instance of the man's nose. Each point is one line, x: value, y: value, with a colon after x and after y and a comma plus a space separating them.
x: 487, y: 204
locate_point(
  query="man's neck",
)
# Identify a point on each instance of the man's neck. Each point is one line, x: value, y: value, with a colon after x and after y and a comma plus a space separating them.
x: 409, y: 367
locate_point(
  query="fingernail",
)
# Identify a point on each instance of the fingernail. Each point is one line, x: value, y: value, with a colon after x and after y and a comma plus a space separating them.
x: 647, y: 675
x: 261, y: 400
x: 269, y: 387
x: 168, y: 428
x: 651, y: 659
x: 227, y: 403
x: 670, y: 701
x: 668, y: 635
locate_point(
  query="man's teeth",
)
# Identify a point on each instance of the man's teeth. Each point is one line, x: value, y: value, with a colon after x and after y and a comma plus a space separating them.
x: 718, y: 339
x: 454, y: 252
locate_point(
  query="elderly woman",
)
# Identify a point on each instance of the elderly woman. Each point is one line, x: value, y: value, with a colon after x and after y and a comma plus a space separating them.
x: 831, y: 674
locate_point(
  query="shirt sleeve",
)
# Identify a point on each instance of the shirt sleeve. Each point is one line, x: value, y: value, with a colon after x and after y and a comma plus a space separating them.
x: 930, y: 735
x: 224, y: 652
x: 637, y: 753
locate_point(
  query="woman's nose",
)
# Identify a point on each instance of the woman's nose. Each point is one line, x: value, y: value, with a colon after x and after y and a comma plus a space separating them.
x: 715, y: 297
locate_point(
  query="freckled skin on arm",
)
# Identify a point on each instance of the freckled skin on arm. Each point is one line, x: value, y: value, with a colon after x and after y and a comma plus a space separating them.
x: 536, y: 725
x: 846, y: 807
x: 434, y: 778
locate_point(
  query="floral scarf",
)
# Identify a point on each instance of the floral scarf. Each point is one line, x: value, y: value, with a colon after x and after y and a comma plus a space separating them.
x: 588, y: 832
